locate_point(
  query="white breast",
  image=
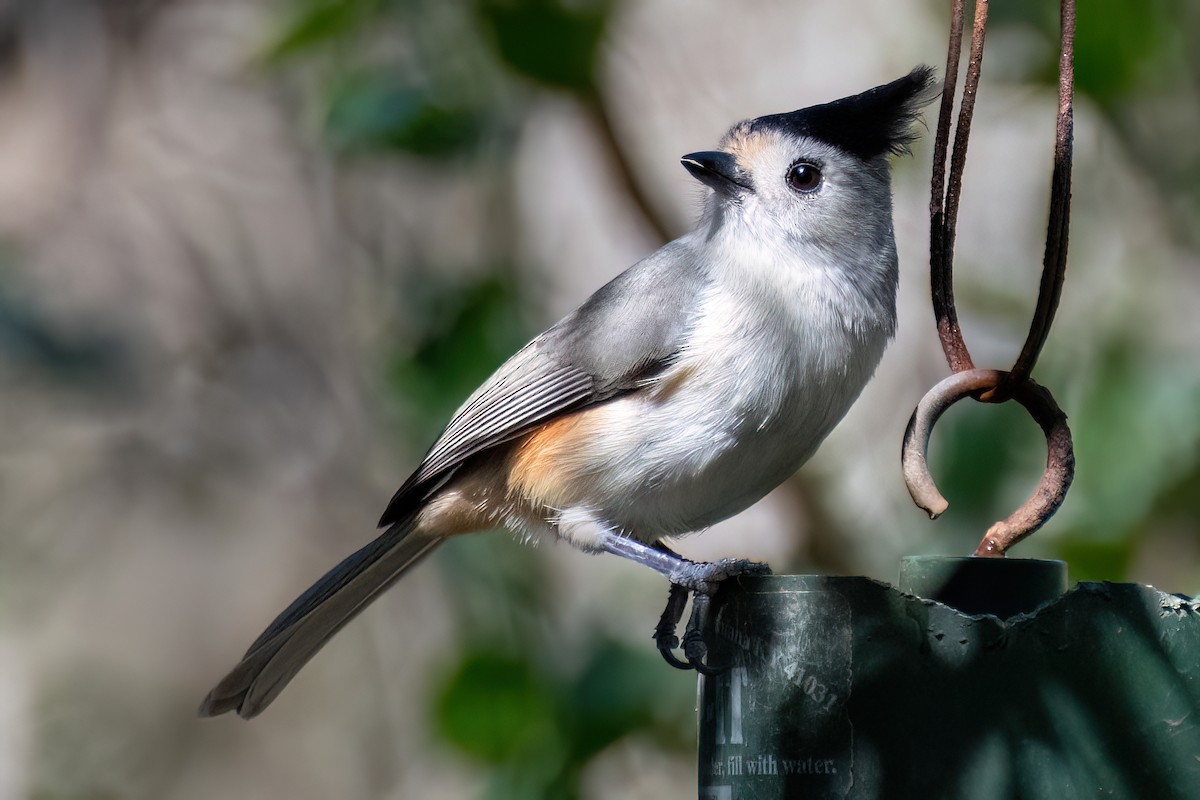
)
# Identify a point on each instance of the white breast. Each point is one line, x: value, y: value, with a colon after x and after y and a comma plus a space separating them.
x: 769, y: 370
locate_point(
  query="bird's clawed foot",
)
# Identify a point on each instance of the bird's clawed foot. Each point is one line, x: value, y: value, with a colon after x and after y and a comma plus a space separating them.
x: 702, y: 580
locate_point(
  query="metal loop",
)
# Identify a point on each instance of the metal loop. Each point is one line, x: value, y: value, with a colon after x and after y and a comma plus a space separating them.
x: 1060, y: 455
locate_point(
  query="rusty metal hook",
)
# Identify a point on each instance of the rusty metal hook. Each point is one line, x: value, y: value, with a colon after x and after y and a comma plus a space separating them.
x: 1060, y: 455
x: 994, y: 386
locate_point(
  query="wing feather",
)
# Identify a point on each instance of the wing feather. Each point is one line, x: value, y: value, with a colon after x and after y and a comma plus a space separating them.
x: 617, y: 342
x: 508, y: 415
x: 530, y: 388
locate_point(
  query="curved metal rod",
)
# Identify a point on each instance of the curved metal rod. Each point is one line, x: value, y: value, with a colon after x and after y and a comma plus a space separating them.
x: 944, y: 199
x: 1060, y: 455
x: 1054, y: 261
x: 941, y: 228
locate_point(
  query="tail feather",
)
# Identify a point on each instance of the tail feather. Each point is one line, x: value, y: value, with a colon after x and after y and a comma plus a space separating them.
x: 308, y: 623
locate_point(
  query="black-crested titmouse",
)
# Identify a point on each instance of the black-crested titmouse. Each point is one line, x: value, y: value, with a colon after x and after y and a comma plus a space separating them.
x: 678, y: 394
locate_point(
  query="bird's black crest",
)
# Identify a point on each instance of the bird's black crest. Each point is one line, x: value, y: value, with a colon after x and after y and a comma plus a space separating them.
x: 870, y: 124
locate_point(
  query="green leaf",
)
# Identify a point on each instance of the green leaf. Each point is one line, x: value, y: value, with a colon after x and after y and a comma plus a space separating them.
x: 1136, y: 433
x: 622, y: 690
x: 375, y: 111
x: 1115, y: 40
x: 497, y: 708
x: 978, y: 453
x: 1095, y: 560
x: 471, y: 330
x: 319, y: 23
x: 547, y: 40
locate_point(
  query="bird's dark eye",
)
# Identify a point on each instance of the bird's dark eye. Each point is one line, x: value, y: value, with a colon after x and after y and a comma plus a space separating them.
x: 804, y: 177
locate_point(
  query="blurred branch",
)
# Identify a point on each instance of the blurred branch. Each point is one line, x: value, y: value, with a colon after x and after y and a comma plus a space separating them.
x: 829, y: 548
x: 625, y: 172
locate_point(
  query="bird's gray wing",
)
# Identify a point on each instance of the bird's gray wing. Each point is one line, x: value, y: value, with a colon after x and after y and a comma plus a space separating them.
x: 616, y: 342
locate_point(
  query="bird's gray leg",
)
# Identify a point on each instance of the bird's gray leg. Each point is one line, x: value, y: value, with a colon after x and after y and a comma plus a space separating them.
x: 701, y: 578
x: 696, y: 576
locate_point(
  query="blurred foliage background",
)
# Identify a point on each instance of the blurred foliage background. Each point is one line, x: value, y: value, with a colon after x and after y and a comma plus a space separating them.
x: 253, y: 254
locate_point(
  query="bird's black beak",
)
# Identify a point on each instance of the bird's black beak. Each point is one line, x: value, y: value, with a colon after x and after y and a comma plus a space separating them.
x: 718, y: 170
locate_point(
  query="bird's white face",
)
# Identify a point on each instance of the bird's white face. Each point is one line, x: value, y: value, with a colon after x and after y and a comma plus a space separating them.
x: 805, y: 193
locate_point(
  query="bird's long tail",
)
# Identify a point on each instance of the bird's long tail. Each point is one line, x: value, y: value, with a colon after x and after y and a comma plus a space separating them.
x: 308, y: 623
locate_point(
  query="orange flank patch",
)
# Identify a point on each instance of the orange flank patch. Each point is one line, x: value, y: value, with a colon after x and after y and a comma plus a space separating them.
x: 545, y: 463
